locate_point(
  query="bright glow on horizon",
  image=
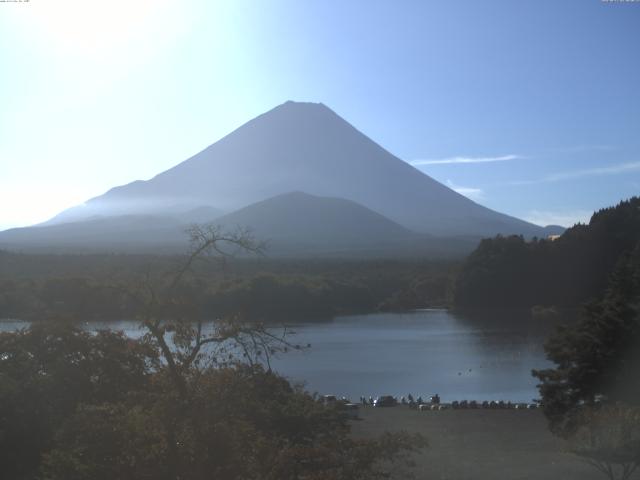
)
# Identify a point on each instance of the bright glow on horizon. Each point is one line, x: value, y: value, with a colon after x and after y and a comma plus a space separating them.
x: 28, y: 208
x: 564, y: 218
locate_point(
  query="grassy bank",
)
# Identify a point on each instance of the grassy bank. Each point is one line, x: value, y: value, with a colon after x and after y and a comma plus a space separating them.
x: 479, y: 444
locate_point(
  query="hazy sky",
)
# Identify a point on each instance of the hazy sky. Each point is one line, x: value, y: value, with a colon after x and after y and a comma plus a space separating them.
x: 530, y: 107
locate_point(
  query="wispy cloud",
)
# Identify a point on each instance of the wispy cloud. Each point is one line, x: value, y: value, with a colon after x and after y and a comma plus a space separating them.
x: 565, y: 218
x: 475, y: 194
x: 588, y: 172
x: 585, y: 148
x: 449, y: 160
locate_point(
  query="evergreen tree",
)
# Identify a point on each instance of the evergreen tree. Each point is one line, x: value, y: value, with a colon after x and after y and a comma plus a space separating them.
x: 596, y: 360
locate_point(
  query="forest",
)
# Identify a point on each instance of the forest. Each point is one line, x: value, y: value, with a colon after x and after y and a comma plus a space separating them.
x: 503, y: 272
x: 93, y: 287
x: 566, y: 272
x: 591, y: 395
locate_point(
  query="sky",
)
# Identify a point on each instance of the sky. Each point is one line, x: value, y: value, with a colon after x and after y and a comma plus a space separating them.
x: 531, y: 108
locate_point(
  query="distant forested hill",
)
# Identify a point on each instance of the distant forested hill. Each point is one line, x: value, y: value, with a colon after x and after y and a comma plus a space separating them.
x: 512, y: 272
x: 95, y: 287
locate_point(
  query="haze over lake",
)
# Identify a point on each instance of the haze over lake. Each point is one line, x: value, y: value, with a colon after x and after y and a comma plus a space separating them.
x: 422, y: 353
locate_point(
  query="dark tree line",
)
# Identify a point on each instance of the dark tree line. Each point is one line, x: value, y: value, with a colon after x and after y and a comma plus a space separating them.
x: 592, y: 394
x: 598, y: 359
x: 513, y: 272
x: 271, y: 292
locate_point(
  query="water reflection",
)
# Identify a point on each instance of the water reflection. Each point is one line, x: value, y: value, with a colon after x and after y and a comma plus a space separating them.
x: 483, y: 356
x: 421, y: 353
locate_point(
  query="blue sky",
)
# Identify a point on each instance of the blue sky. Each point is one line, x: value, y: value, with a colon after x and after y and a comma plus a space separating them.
x: 531, y: 107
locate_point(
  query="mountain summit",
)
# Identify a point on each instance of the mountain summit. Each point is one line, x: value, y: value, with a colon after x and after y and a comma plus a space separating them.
x: 304, y: 147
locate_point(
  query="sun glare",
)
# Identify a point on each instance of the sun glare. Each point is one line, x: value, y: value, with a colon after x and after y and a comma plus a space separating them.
x: 94, y: 28
x: 28, y: 208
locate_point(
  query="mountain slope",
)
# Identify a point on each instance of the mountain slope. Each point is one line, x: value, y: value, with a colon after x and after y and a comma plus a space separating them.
x: 304, y: 147
x: 297, y: 221
x: 123, y: 233
x: 293, y: 224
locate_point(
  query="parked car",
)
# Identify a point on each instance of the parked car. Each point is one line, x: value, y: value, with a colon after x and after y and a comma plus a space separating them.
x: 385, y: 401
x: 351, y: 409
x: 328, y: 399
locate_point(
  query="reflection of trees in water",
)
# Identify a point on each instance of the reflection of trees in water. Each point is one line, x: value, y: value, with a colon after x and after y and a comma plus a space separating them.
x: 516, y: 321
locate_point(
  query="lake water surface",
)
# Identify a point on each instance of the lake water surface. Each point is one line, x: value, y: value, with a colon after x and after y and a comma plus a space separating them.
x: 422, y: 353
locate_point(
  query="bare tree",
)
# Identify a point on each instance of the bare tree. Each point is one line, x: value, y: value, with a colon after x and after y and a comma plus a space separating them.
x: 609, y: 440
x: 171, y: 312
x: 185, y: 335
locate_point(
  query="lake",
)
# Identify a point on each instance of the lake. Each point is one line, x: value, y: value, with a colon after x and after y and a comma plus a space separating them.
x: 488, y: 357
